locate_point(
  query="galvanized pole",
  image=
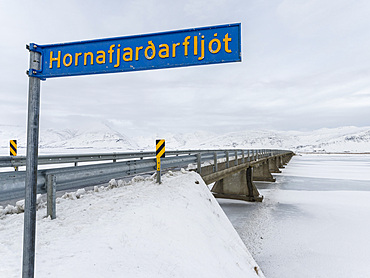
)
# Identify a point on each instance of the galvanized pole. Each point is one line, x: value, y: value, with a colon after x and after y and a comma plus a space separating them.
x: 29, y: 235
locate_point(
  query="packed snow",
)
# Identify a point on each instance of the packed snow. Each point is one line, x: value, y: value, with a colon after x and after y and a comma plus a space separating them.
x: 132, y: 229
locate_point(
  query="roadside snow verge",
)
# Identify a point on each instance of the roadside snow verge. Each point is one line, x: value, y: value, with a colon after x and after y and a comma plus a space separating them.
x: 135, y: 229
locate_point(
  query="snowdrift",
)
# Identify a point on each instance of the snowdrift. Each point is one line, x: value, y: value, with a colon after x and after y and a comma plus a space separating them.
x: 132, y: 229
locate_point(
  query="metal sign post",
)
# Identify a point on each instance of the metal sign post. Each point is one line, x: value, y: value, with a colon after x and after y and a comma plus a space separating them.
x: 29, y: 236
x: 160, y: 152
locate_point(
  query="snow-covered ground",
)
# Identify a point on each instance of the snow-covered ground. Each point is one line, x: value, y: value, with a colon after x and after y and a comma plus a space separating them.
x: 313, y: 222
x: 138, y: 229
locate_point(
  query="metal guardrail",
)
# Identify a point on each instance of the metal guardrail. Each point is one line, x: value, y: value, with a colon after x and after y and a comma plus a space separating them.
x: 12, y: 184
x: 8, y: 161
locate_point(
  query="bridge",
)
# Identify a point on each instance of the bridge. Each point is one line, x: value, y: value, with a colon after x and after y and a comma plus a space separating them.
x: 232, y: 171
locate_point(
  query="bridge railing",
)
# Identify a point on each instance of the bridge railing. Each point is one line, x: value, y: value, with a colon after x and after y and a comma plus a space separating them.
x: 12, y: 183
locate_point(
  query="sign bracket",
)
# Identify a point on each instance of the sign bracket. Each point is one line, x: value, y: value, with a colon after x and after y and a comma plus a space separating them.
x: 32, y: 72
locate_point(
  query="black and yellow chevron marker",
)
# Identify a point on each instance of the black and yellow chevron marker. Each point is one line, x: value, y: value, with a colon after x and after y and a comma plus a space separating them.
x: 13, y: 147
x: 13, y: 150
x: 160, y: 148
x: 159, y: 153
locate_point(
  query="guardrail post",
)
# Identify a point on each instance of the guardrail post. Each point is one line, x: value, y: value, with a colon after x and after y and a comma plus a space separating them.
x: 227, y: 159
x: 199, y: 162
x: 236, y: 158
x: 215, y: 162
x: 243, y: 157
x: 51, y: 195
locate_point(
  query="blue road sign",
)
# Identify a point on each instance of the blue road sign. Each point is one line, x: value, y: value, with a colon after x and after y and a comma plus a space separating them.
x: 198, y: 46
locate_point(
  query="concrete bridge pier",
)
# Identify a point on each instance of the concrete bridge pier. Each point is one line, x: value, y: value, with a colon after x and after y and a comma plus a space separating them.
x: 274, y: 165
x: 234, y: 179
x: 262, y: 172
x: 237, y: 186
x: 287, y: 158
x: 280, y: 162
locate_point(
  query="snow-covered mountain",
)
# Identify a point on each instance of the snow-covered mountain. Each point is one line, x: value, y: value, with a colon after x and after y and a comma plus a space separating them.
x: 343, y: 139
x: 101, y: 137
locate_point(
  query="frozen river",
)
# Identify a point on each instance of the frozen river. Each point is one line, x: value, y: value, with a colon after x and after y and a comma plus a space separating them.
x: 314, y: 220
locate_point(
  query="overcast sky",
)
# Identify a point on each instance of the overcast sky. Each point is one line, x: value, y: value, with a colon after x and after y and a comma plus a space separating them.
x: 305, y: 65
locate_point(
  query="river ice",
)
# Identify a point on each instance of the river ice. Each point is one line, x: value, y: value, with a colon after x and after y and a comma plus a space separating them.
x: 314, y: 220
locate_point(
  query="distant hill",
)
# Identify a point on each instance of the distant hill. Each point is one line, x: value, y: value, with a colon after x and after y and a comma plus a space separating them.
x: 102, y: 138
x: 344, y: 139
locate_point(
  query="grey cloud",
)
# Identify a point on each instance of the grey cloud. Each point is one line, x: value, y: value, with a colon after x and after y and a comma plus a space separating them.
x: 305, y: 66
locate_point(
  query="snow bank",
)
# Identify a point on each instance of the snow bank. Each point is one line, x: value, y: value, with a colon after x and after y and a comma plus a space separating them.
x: 135, y: 229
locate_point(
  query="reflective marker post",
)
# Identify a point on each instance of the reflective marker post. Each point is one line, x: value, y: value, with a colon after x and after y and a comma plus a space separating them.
x: 158, y: 170
x: 13, y: 150
x: 29, y: 235
x: 159, y: 153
